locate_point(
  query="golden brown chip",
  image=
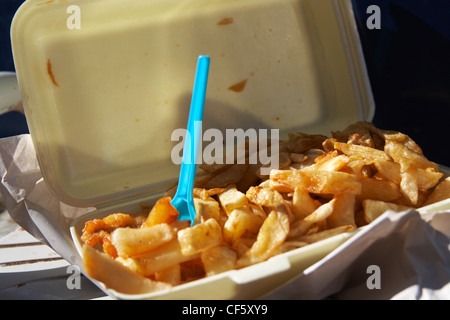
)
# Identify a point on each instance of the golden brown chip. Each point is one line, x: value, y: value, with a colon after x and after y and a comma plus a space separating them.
x: 218, y: 259
x: 375, y: 208
x: 270, y: 237
x: 389, y: 170
x: 103, y: 268
x: 361, y: 152
x: 206, y: 209
x: 302, y: 203
x: 319, y: 182
x: 343, y: 212
x: 232, y: 199
x: 157, y: 260
x: 325, y: 234
x: 301, y: 227
x: 441, y: 192
x: 200, y: 237
x: 240, y: 221
x: 379, y: 190
x: 136, y: 241
x: 407, y: 158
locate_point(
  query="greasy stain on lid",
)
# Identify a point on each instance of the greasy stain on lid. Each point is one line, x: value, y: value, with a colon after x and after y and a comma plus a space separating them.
x: 225, y: 21
x: 238, y: 87
x: 50, y: 73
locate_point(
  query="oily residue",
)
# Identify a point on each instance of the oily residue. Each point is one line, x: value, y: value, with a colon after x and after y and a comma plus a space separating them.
x: 225, y: 21
x: 238, y: 87
x: 50, y: 73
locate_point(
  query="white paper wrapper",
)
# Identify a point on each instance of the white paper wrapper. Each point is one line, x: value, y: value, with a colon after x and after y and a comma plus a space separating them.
x: 410, y: 250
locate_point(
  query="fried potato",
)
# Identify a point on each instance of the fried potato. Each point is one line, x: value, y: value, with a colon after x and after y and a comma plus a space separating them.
x: 218, y: 259
x: 301, y: 227
x: 240, y: 221
x: 378, y: 190
x: 133, y: 241
x: 343, y: 213
x: 361, y: 152
x: 406, y: 157
x: 162, y: 212
x: 441, y: 192
x: 389, y: 170
x: 157, y: 260
x: 200, y: 237
x: 264, y: 196
x: 409, y: 186
x: 375, y: 208
x: 103, y: 268
x: 325, y: 234
x: 232, y: 199
x: 302, y: 203
x: 270, y: 237
x: 319, y: 182
x: 428, y: 178
x: 206, y: 209
x: 171, y: 275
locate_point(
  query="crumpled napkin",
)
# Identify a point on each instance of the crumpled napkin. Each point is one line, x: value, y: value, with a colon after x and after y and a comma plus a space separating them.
x: 30, y: 202
x: 399, y: 256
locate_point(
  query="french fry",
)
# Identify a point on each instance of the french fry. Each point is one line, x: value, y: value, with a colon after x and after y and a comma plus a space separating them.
x: 200, y: 237
x: 301, y: 227
x: 302, y: 203
x: 409, y: 186
x: 218, y: 259
x: 334, y: 163
x: 264, y: 196
x: 103, y: 268
x: 407, y: 157
x: 375, y: 208
x: 162, y: 212
x: 441, y: 192
x: 378, y: 190
x: 325, y: 234
x: 131, y: 242
x: 428, y: 178
x: 343, y: 212
x: 206, y: 209
x: 319, y: 182
x: 289, y: 245
x: 270, y: 237
x: 157, y: 260
x: 358, y: 167
x: 240, y: 221
x: 232, y: 199
x: 389, y: 170
x: 361, y: 152
x: 171, y: 275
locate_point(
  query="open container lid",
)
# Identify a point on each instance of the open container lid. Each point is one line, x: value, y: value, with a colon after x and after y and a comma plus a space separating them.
x: 105, y: 83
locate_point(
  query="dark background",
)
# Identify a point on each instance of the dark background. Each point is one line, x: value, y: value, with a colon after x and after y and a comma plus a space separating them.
x: 408, y: 61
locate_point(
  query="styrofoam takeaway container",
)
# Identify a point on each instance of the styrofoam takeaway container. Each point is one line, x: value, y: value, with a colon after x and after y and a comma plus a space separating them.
x: 105, y: 83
